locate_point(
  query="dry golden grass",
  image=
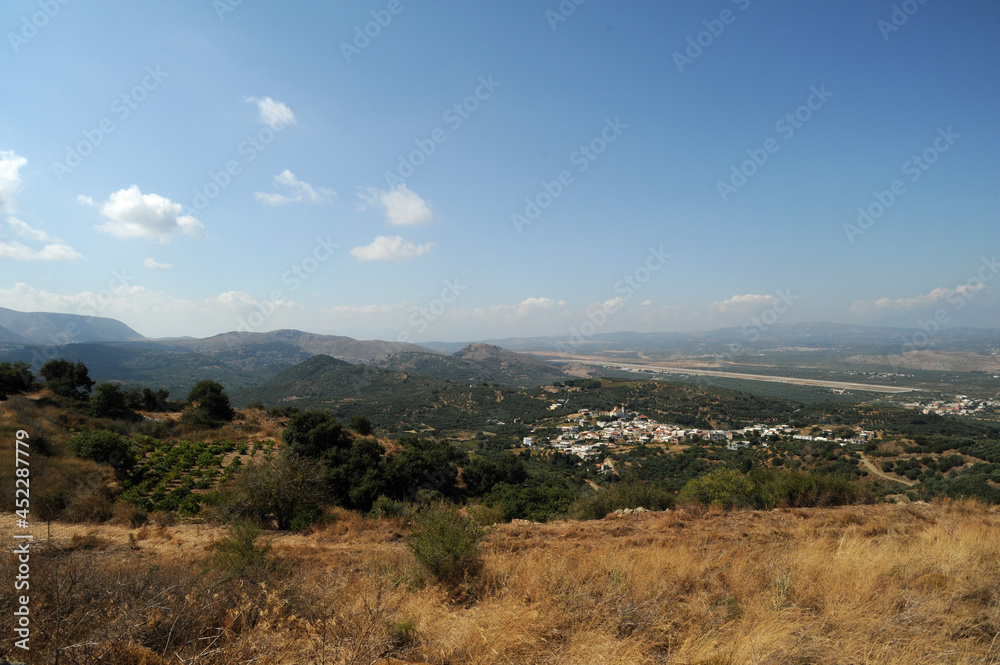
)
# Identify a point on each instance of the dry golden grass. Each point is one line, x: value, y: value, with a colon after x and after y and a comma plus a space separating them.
x: 873, y: 585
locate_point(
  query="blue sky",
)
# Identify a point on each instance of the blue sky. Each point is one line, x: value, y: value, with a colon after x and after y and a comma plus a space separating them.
x: 480, y: 170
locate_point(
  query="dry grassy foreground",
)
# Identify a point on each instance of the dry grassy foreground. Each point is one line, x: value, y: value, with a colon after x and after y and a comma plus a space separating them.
x: 881, y: 584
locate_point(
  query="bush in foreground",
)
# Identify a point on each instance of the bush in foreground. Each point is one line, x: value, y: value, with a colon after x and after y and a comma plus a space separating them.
x: 721, y: 488
x: 243, y: 553
x: 765, y: 489
x: 284, y: 491
x: 104, y: 446
x: 446, y: 544
x: 802, y: 489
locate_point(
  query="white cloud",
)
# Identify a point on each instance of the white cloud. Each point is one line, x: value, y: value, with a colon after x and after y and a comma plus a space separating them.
x: 300, y: 191
x: 528, y: 307
x: 614, y: 304
x: 540, y: 303
x: 742, y: 302
x: 55, y: 250
x: 935, y: 297
x: 26, y: 298
x: 390, y: 248
x: 272, y: 113
x: 10, y: 184
x: 10, y: 178
x: 403, y: 207
x: 132, y: 214
x: 153, y: 264
x: 24, y: 230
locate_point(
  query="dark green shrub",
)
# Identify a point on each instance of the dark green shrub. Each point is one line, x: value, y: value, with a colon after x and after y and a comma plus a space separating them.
x: 198, y: 419
x: 109, y: 401
x: 305, y: 518
x: 633, y: 494
x: 386, y: 507
x: 361, y: 425
x: 803, y: 489
x: 723, y: 488
x: 482, y: 475
x: 313, y: 433
x: 446, y: 544
x: 15, y: 378
x: 210, y: 400
x: 67, y: 379
x: 283, y: 491
x: 107, y: 447
x: 538, y: 500
x: 189, y: 505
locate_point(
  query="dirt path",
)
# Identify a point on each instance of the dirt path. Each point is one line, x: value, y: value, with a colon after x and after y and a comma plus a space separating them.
x: 878, y: 472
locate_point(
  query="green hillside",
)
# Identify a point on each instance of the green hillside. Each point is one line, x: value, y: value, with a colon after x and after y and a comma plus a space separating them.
x: 476, y: 363
x: 133, y: 364
x: 447, y: 368
x: 394, y: 400
x: 499, y: 365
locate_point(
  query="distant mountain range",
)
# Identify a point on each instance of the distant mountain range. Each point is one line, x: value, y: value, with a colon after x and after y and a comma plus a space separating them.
x: 42, y: 328
x: 246, y: 362
x: 851, y: 339
x: 241, y: 361
x: 295, y: 343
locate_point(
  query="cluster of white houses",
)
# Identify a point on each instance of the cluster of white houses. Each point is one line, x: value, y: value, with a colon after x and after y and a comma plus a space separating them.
x: 962, y: 405
x: 618, y: 427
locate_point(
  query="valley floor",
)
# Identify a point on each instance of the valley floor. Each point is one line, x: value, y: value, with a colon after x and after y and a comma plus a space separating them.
x: 689, y: 369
